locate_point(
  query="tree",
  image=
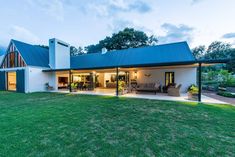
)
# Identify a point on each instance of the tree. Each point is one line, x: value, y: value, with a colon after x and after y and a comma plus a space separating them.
x: 218, y: 50
x: 43, y: 46
x: 80, y: 50
x: 199, y: 51
x: 76, y: 51
x: 73, y: 50
x: 127, y: 38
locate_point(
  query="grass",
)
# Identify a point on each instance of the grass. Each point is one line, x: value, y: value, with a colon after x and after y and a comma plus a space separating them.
x: 50, y: 124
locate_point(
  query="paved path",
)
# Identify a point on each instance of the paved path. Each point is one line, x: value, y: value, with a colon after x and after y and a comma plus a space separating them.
x: 220, y: 98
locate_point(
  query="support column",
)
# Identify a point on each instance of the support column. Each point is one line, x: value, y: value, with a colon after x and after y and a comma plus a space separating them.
x: 117, y: 71
x: 200, y: 82
x: 91, y: 86
x: 70, y: 81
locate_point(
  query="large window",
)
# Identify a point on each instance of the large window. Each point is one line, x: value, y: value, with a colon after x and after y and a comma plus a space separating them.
x: 12, y: 59
x: 169, y: 78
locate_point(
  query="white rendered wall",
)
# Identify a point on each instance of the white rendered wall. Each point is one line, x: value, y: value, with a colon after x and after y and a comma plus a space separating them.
x: 183, y: 76
x: 36, y: 79
x: 59, y: 54
x: 101, y: 79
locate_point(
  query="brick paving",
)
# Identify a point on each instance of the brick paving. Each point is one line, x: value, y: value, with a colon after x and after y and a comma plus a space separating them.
x: 218, y: 97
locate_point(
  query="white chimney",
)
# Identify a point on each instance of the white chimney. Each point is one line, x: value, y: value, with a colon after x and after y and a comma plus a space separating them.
x: 59, y: 54
x: 104, y: 50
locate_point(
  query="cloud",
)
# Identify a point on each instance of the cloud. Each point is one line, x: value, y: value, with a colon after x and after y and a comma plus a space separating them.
x: 106, y: 8
x: 228, y: 36
x: 117, y: 25
x: 196, y: 1
x: 53, y: 8
x: 21, y: 33
x: 176, y: 33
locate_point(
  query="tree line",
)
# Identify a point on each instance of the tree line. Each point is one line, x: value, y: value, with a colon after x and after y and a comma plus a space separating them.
x: 127, y: 38
x: 216, y: 50
x: 131, y: 38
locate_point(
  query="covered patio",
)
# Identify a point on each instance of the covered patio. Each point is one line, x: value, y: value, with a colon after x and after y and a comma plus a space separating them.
x: 107, y: 81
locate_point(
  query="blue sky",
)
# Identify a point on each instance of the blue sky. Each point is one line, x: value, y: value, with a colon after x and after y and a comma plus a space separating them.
x: 84, y: 22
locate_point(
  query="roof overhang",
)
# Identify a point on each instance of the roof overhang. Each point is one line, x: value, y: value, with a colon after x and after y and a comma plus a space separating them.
x: 202, y: 62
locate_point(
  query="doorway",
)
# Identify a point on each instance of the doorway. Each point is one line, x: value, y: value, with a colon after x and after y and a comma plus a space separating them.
x: 11, y: 81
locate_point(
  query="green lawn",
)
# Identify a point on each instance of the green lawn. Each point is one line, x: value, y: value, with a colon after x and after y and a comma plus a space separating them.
x: 50, y: 124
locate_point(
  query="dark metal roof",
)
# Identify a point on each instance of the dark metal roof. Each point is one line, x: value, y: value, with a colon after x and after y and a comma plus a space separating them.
x: 33, y: 55
x: 150, y: 55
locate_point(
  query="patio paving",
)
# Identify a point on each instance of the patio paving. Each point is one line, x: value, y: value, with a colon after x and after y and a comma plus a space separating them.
x: 183, y: 97
x: 158, y: 96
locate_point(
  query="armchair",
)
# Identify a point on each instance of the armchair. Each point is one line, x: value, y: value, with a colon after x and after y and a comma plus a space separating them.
x: 174, y: 91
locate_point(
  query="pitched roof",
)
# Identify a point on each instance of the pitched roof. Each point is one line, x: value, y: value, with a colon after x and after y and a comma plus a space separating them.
x: 33, y: 55
x: 150, y: 55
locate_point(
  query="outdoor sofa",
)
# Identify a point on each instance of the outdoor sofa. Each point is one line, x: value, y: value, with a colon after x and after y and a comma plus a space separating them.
x: 148, y: 87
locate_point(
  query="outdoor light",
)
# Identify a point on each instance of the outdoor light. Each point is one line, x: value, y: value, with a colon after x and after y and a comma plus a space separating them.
x: 135, y: 75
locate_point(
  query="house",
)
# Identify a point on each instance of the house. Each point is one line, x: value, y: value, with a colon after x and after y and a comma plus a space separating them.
x: 28, y: 68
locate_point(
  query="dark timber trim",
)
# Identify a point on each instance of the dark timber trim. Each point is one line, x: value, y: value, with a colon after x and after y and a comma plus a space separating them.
x: 200, y: 82
x: 117, y: 71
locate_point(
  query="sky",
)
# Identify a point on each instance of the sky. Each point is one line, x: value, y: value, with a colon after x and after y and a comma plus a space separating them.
x: 85, y: 22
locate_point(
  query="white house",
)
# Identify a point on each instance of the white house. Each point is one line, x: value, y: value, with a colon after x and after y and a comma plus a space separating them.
x: 29, y: 68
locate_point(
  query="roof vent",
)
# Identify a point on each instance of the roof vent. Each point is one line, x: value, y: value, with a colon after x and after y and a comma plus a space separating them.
x: 104, y: 50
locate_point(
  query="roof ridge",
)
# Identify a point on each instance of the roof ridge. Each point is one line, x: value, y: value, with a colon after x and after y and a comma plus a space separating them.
x: 143, y: 47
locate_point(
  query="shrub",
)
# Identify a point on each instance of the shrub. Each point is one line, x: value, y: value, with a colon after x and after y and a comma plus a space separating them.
x: 193, y: 89
x: 73, y: 85
x: 121, y: 86
x: 226, y: 94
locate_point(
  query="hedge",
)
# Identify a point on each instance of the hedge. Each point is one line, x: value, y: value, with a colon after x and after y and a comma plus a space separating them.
x: 226, y: 94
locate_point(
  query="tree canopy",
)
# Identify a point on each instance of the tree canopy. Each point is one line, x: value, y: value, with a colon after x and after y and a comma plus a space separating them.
x: 199, y: 51
x: 216, y: 50
x: 127, y: 38
x: 76, y: 51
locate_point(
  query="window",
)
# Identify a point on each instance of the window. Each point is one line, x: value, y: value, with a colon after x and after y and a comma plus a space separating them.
x: 169, y: 78
x: 12, y: 59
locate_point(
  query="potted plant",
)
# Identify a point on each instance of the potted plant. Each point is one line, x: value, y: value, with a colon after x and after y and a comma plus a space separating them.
x: 193, y: 92
x: 121, y: 87
x: 74, y: 87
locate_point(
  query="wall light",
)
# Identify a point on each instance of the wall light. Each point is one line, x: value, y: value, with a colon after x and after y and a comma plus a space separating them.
x: 135, y: 75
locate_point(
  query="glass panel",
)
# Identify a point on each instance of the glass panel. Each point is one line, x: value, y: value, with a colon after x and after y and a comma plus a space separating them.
x: 11, y: 81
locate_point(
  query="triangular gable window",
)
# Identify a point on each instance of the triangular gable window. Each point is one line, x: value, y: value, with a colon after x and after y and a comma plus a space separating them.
x: 12, y: 58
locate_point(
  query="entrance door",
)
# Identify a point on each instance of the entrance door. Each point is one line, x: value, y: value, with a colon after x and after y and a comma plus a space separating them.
x: 11, y: 81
